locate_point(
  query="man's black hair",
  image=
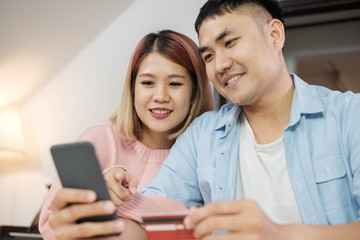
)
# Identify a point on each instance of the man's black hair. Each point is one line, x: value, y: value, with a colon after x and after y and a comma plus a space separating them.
x: 218, y: 7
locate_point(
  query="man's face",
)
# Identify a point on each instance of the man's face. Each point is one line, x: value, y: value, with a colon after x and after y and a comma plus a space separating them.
x: 239, y: 56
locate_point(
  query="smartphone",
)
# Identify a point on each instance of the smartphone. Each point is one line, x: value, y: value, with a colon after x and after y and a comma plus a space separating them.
x: 78, y: 167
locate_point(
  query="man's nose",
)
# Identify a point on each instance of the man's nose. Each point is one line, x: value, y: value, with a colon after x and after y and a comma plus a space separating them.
x: 222, y: 63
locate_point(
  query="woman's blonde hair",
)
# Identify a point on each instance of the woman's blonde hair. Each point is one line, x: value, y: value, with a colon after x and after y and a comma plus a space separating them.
x: 181, y: 50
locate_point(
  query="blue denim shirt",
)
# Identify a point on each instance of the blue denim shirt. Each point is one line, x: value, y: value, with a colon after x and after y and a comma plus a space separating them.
x: 322, y: 144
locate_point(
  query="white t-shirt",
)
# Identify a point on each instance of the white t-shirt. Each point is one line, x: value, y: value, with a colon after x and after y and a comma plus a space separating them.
x: 263, y: 177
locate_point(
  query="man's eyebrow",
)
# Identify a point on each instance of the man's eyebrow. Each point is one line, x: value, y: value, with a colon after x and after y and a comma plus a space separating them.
x: 203, y: 49
x: 221, y: 36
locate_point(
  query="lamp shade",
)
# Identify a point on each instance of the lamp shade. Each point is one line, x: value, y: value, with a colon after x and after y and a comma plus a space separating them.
x: 12, y: 145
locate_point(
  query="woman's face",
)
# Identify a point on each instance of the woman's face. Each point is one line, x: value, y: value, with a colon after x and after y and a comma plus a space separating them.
x: 162, y: 95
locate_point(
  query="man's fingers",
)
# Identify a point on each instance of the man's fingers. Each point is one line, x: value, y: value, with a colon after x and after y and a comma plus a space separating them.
x: 234, y: 217
x: 197, y: 215
x: 213, y: 223
x: 225, y: 207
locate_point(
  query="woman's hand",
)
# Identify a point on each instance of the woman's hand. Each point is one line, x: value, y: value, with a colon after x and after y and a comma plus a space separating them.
x: 122, y: 185
x: 64, y: 216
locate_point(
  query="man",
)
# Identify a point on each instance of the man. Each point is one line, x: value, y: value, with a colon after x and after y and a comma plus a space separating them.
x: 282, y: 160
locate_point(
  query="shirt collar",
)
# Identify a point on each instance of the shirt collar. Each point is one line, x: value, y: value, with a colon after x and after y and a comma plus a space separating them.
x: 229, y: 115
x: 305, y: 100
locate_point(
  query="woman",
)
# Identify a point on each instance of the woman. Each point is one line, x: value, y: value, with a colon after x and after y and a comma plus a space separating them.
x: 165, y: 89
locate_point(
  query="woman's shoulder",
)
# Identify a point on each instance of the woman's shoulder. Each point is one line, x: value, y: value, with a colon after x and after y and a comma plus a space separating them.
x: 103, y: 136
x: 98, y: 131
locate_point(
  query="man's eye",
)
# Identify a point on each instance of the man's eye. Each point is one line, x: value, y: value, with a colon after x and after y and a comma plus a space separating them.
x: 207, y: 57
x: 229, y: 43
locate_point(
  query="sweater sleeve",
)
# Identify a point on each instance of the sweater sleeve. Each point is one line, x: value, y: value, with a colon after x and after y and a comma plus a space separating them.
x: 145, y: 205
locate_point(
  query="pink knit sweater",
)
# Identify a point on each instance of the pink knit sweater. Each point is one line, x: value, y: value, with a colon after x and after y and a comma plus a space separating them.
x: 111, y: 150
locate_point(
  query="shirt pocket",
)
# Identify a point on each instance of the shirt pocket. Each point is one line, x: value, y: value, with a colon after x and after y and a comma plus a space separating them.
x: 207, y: 181
x: 333, y: 188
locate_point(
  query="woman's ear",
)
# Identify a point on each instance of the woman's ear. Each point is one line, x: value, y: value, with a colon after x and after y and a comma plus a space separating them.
x: 277, y: 34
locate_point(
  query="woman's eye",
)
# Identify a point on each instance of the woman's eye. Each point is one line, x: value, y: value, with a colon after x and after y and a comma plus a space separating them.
x: 147, y: 83
x: 176, y: 84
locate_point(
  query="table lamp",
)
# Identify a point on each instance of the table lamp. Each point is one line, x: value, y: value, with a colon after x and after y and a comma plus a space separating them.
x: 12, y: 146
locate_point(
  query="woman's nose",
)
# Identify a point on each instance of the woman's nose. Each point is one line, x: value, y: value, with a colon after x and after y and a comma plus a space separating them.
x: 161, y: 94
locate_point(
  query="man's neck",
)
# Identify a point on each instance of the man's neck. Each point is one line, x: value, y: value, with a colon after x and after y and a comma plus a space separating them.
x: 270, y: 120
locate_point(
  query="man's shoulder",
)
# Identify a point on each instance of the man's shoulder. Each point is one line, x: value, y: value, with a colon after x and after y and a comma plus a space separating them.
x: 226, y: 111
x: 316, y: 95
x: 334, y: 97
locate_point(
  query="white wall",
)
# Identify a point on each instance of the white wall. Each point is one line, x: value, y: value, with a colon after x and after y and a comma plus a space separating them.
x: 83, y: 94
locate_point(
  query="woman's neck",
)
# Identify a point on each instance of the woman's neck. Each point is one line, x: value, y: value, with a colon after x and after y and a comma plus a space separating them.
x: 156, y: 140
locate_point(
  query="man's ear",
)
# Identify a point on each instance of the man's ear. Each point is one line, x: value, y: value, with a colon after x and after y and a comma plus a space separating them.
x: 277, y: 34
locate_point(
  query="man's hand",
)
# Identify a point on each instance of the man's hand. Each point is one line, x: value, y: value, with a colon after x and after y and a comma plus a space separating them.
x: 122, y: 185
x: 64, y: 216
x: 241, y: 219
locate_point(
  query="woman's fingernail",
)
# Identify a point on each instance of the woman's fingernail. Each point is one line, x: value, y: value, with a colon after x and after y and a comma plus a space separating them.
x: 90, y: 196
x: 133, y: 190
x: 108, y: 206
x: 118, y: 225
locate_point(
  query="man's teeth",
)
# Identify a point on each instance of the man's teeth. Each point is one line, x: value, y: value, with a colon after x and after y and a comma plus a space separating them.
x: 161, y: 111
x: 233, y: 79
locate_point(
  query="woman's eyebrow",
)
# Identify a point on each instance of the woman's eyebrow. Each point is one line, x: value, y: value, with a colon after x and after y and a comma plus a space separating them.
x: 176, y: 76
x: 145, y: 75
